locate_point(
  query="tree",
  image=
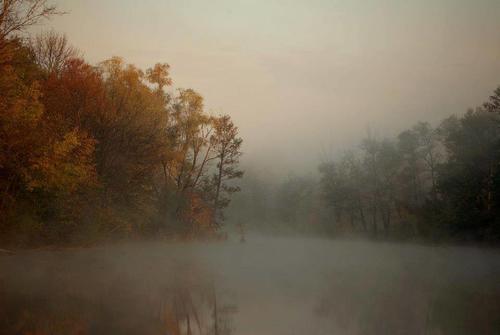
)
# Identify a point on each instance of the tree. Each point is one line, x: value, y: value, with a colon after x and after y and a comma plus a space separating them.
x: 468, y: 181
x: 20, y: 118
x: 130, y: 131
x: 371, y: 148
x: 18, y: 15
x: 189, y: 131
x: 430, y: 151
x: 76, y: 98
x: 185, y: 162
x: 389, y: 166
x: 409, y: 145
x: 91, y: 152
x: 41, y: 163
x: 52, y: 51
x: 227, y: 148
x: 357, y: 180
x: 159, y: 75
x: 335, y: 187
x: 493, y: 103
x: 342, y: 186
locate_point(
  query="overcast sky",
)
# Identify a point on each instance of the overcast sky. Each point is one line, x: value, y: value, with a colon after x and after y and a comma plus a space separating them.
x: 305, y: 78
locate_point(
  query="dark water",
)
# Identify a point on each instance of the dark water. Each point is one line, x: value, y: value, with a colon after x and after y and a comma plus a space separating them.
x: 264, y: 286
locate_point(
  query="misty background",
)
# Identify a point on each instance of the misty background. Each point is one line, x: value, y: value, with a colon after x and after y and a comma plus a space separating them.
x: 304, y: 80
x: 298, y: 167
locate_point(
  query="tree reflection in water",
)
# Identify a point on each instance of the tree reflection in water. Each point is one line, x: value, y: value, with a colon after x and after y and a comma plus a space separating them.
x: 52, y: 295
x: 282, y: 286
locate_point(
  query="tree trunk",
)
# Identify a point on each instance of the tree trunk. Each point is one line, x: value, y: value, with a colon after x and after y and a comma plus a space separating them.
x: 374, y: 220
x: 362, y: 215
x: 218, y: 186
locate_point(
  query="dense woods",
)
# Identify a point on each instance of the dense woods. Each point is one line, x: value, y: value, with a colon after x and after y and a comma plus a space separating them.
x: 92, y: 152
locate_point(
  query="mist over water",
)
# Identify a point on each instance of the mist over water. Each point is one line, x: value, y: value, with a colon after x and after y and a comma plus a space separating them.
x: 267, y: 285
x: 225, y: 167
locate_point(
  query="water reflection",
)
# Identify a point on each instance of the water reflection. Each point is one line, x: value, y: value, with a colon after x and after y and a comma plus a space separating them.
x: 416, y: 294
x: 82, y: 293
x: 266, y: 286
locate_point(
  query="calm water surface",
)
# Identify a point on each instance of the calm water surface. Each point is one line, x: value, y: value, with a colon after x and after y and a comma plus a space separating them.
x: 264, y: 286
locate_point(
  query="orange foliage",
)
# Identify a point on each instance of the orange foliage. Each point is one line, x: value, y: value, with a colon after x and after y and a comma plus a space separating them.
x: 199, y: 215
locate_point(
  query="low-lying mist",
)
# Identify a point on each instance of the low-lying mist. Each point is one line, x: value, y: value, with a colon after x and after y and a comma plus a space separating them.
x: 267, y: 285
x: 249, y: 167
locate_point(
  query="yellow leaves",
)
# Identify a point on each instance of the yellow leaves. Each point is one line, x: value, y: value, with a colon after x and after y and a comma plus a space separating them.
x: 64, y: 165
x: 117, y: 72
x: 190, y: 100
x: 20, y: 117
x: 159, y: 74
x: 109, y: 127
x: 19, y: 102
x: 21, y: 114
x: 112, y: 66
x: 127, y: 90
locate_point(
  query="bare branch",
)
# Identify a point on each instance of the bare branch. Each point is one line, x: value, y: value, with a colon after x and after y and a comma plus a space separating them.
x: 18, y: 15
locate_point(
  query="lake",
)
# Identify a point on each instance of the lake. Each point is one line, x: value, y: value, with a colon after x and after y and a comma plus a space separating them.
x: 267, y: 285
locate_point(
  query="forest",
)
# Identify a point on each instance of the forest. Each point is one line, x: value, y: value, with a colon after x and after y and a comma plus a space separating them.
x: 93, y: 152
x: 303, y: 167
x: 429, y: 183
x: 96, y: 152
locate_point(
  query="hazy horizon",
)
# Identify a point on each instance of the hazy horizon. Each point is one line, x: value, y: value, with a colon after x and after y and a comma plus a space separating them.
x: 304, y: 79
x: 294, y: 169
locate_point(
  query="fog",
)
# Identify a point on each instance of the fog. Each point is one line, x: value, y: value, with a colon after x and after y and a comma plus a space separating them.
x: 264, y: 286
x: 305, y: 79
x: 249, y: 167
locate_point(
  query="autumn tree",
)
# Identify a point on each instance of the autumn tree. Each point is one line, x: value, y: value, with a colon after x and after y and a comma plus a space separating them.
x: 39, y: 161
x: 95, y: 152
x: 189, y: 132
x: 159, y: 75
x: 130, y: 131
x: 227, y: 148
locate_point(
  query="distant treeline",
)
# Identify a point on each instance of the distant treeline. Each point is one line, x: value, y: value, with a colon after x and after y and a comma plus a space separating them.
x: 438, y: 183
x: 429, y: 183
x: 94, y: 152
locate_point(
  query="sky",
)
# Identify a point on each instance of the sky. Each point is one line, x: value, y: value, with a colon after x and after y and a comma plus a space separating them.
x: 304, y: 80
